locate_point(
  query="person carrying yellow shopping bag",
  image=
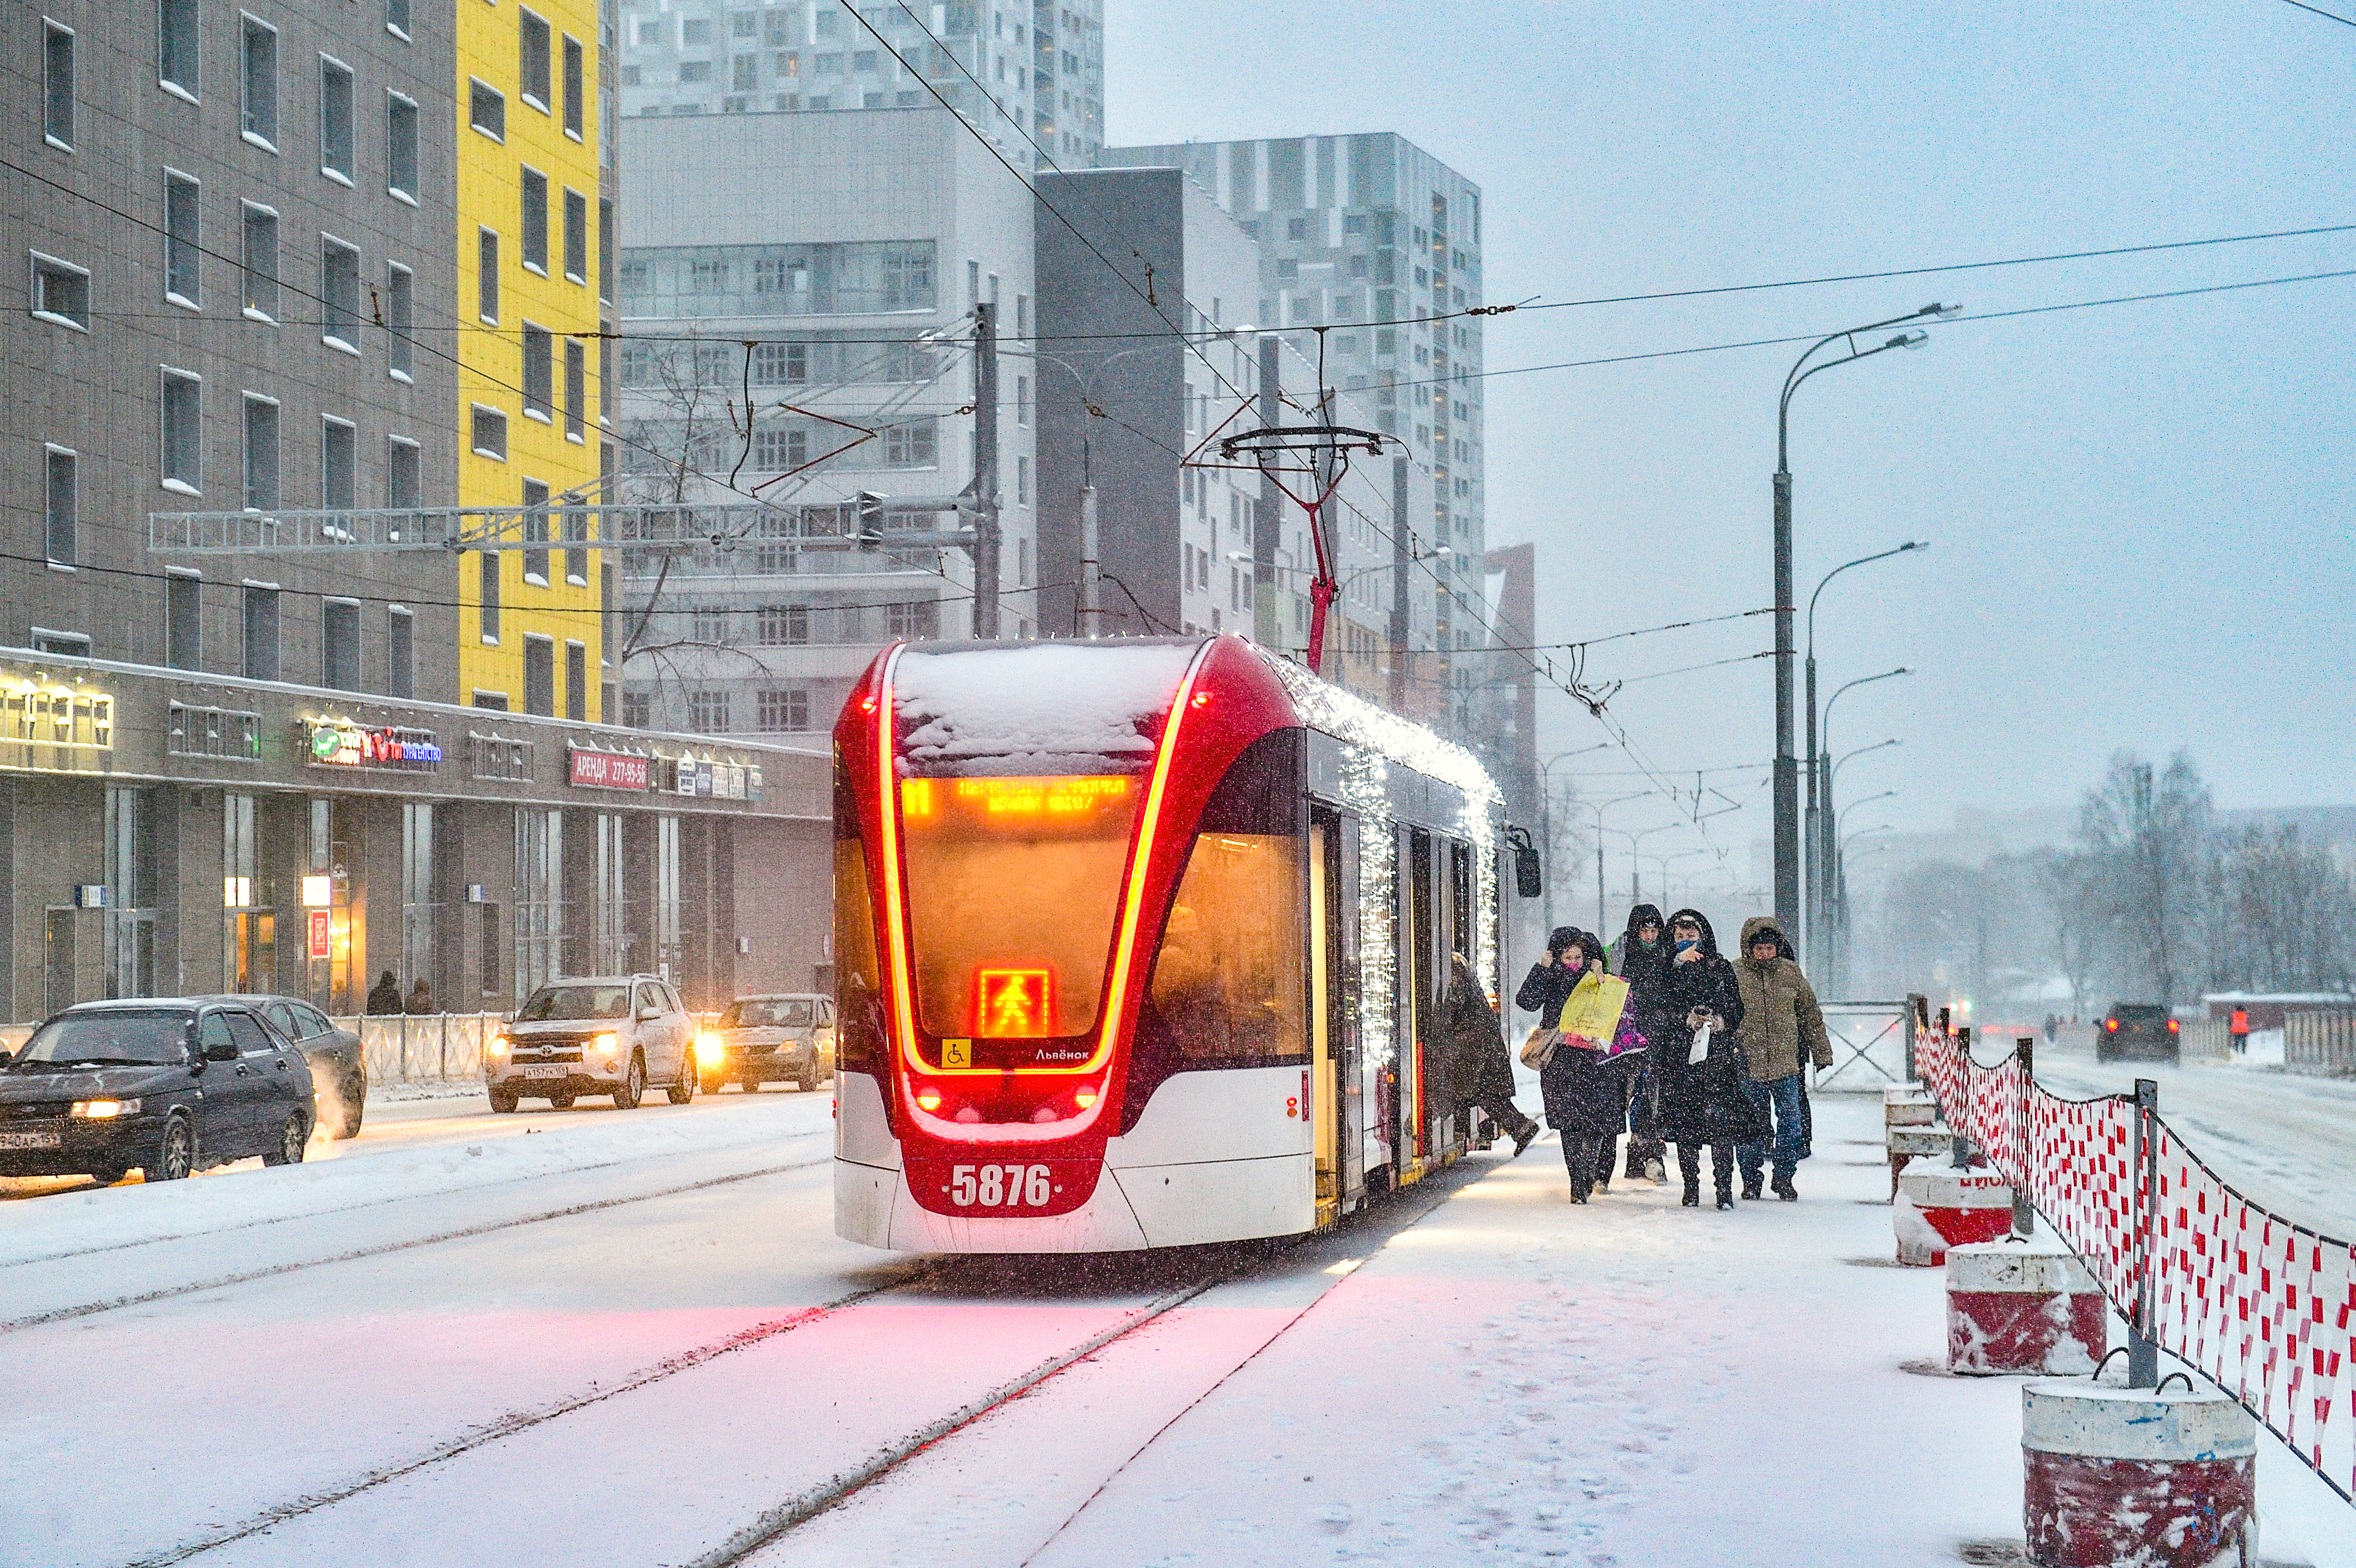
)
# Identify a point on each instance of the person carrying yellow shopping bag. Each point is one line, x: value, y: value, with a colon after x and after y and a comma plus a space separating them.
x: 1585, y: 1079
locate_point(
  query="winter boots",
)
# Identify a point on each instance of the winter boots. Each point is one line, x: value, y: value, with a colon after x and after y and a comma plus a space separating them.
x: 1726, y: 1196
x: 1521, y: 1140
x: 1785, y: 1190
x: 1751, y: 1187
x: 1693, y: 1193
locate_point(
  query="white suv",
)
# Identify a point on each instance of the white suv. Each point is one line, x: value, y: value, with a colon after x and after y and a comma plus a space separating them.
x: 598, y: 1035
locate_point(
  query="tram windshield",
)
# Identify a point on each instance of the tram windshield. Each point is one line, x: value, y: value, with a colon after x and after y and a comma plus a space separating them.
x: 1013, y: 886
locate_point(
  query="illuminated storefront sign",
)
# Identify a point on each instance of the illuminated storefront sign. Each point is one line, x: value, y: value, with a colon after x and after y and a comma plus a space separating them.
x: 53, y: 729
x: 318, y: 892
x: 321, y: 933
x: 593, y: 769
x: 334, y: 743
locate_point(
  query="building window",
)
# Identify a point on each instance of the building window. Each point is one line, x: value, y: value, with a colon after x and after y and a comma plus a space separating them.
x: 784, y: 712
x: 783, y: 625
x: 63, y: 506
x: 396, y: 18
x: 538, y: 374
x: 1021, y: 481
x: 401, y: 146
x: 58, y: 86
x: 339, y: 643
x: 183, y: 432
x: 912, y: 620
x: 488, y: 575
x: 176, y: 45
x: 261, y: 454
x: 400, y: 317
x: 532, y: 68
x: 638, y: 710
x: 535, y: 221
x: 694, y: 71
x: 575, y: 114
x: 339, y: 464
x: 576, y: 531
x: 260, y: 274
x: 576, y: 236
x: 61, y: 292
x: 539, y: 675
x: 486, y: 276
x: 707, y: 713
x: 576, y: 391
x: 183, y: 629
x: 486, y: 108
x: 258, y: 99
x: 912, y: 445
x: 260, y: 651
x: 180, y: 238
x: 340, y: 274
x: 576, y: 672
x: 780, y: 364
x: 335, y: 120
x: 403, y: 464
x: 535, y: 531
x: 606, y: 251
x: 400, y: 652
x: 711, y: 626
x: 489, y: 434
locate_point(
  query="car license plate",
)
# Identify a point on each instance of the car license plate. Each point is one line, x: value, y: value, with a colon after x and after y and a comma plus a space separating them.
x: 44, y: 1139
x: 555, y: 1072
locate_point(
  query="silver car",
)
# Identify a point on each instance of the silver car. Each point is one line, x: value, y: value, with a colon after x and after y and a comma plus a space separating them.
x: 769, y: 1039
x: 601, y: 1034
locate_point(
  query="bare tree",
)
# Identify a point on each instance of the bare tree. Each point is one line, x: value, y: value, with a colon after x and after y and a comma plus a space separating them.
x: 2077, y: 920
x: 2145, y: 832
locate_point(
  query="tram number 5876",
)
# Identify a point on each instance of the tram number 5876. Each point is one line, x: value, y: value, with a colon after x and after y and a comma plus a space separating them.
x: 999, y: 1186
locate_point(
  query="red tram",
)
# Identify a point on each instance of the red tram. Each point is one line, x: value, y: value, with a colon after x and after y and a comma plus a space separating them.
x: 1137, y: 942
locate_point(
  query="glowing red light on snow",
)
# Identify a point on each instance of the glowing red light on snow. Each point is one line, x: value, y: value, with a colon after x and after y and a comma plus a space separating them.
x: 1012, y: 1003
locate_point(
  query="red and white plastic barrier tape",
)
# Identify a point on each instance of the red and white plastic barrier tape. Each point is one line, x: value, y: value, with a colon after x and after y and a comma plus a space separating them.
x: 2263, y: 1307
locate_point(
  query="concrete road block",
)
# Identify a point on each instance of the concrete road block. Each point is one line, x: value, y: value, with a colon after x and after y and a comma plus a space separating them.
x: 2133, y: 1476
x: 2022, y: 1308
x: 1908, y: 1143
x: 1939, y: 1206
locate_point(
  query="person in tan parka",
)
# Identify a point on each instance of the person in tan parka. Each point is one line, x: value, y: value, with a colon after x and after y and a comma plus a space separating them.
x: 1781, y: 1021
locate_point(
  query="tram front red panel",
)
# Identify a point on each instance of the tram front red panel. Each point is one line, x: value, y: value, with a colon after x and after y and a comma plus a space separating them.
x: 1051, y: 1165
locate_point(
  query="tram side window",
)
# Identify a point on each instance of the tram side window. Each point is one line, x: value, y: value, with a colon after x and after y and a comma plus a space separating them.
x: 859, y: 1041
x: 1228, y: 979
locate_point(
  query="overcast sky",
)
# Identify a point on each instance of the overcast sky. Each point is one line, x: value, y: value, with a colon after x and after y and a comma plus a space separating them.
x: 2140, y: 515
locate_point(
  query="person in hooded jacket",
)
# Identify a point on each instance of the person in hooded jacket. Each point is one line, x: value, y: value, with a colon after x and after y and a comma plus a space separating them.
x: 384, y: 997
x: 1702, y: 1101
x: 1586, y: 1091
x: 1781, y: 1021
x: 1481, y: 1071
x: 1641, y: 957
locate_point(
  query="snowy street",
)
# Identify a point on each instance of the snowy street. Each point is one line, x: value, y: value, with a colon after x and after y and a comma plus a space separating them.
x: 593, y: 1337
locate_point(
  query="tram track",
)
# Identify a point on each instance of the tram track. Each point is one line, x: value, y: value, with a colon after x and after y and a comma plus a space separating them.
x: 382, y: 1249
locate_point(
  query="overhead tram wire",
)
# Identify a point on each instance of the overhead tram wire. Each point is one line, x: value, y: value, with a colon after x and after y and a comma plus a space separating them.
x: 2319, y: 11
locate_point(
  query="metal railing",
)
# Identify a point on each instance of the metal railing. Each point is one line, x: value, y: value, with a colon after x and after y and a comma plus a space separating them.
x: 2321, y: 1043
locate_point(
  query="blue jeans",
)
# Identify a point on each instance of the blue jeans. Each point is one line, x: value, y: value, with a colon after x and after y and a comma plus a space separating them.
x: 1780, y: 1097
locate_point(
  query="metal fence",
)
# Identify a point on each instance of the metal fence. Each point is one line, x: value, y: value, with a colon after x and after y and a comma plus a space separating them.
x: 422, y: 1048
x: 1869, y: 1040
x: 2204, y: 1039
x: 2321, y: 1043
x: 2263, y: 1307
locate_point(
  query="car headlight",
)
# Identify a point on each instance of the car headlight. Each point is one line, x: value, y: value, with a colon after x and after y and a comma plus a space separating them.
x: 498, y: 1047
x: 607, y: 1044
x: 710, y: 1049
x: 105, y: 1110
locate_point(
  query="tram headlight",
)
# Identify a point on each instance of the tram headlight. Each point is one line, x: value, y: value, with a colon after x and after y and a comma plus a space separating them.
x: 929, y: 1098
x: 711, y: 1051
x: 1084, y: 1098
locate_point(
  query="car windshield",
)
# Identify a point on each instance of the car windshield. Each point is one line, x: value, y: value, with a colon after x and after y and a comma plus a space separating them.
x: 767, y: 1012
x: 2138, y: 1012
x: 556, y: 1002
x: 149, y: 1039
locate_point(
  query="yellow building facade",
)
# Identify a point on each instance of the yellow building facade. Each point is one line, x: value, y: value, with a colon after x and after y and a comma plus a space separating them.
x: 528, y: 266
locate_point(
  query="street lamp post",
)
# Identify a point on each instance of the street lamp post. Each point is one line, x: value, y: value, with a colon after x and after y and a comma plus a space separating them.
x: 1825, y: 844
x: 1787, y: 765
x: 1091, y: 608
x: 1812, y: 838
x: 1837, y: 969
x: 1546, y: 814
x: 1600, y: 810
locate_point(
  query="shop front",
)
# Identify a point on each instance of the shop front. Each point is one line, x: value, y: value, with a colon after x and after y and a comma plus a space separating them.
x: 172, y: 833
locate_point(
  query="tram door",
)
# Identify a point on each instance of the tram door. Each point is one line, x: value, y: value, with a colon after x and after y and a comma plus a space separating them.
x: 1420, y: 985
x: 1338, y: 1096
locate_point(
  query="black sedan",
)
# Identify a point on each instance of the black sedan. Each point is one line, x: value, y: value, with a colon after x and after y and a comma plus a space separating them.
x: 164, y: 1086
x: 338, y: 1069
x: 2144, y: 1030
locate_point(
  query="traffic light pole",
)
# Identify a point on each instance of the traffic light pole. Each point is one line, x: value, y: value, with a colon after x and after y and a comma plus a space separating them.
x: 985, y: 472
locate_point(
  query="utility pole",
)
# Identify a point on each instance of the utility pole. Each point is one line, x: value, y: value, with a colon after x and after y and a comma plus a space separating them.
x: 1787, y: 766
x: 1268, y: 517
x: 1091, y: 573
x: 1401, y: 623
x: 985, y: 472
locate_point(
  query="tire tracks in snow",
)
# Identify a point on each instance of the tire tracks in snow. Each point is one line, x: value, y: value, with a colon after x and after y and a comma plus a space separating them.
x: 382, y: 1249
x: 524, y: 1420
x: 379, y: 1202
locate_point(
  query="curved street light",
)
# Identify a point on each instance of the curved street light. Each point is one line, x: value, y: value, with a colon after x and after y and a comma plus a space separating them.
x: 1877, y: 745
x: 1787, y: 766
x: 1812, y: 840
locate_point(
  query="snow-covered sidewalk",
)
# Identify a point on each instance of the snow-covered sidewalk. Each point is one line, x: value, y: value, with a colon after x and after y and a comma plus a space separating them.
x: 1517, y: 1379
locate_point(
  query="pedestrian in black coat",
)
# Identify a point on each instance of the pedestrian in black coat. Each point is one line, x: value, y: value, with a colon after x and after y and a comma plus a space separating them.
x: 1641, y: 957
x: 1481, y: 1070
x: 1702, y: 1103
x: 384, y: 997
x: 1586, y: 1091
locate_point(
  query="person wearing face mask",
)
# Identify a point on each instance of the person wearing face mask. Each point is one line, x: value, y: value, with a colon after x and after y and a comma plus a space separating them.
x: 1586, y: 1091
x: 1641, y: 957
x: 1781, y: 1021
x: 1702, y: 1101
